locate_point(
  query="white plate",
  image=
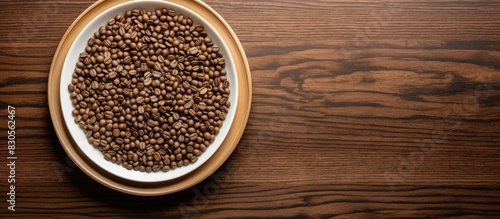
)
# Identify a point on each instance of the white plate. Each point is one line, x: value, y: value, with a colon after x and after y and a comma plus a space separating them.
x: 77, y: 133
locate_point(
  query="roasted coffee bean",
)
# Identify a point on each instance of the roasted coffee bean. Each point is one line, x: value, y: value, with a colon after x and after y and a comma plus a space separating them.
x: 150, y: 152
x: 156, y: 74
x: 165, y: 168
x: 188, y: 105
x: 112, y: 75
x: 107, y: 156
x: 157, y: 156
x: 142, y: 146
x: 177, y: 125
x: 139, y: 100
x: 176, y: 116
x: 193, y: 136
x: 224, y: 108
x: 119, y: 141
x: 202, y: 106
x: 108, y: 115
x: 156, y: 168
x: 148, y: 81
x: 192, y: 112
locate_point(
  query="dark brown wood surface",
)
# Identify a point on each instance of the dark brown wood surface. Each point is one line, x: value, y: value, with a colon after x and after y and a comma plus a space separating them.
x: 361, y: 109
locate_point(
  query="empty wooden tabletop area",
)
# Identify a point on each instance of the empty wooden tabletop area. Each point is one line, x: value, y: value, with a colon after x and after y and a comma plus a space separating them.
x: 360, y: 109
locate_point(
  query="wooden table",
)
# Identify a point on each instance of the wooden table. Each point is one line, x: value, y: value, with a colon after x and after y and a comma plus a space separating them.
x: 373, y: 109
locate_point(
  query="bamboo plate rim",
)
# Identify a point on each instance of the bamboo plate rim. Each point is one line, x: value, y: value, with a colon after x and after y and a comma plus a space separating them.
x: 155, y: 188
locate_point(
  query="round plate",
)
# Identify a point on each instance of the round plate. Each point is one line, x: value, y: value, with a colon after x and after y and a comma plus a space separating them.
x: 115, y: 176
x: 77, y: 133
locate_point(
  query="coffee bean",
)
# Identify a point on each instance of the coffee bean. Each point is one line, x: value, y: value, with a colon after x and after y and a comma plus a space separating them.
x: 133, y: 35
x: 181, y: 138
x: 148, y: 81
x: 207, y: 135
x: 150, y: 152
x: 142, y: 146
x: 112, y: 75
x: 196, y: 152
x: 221, y: 115
x: 156, y: 116
x: 192, y: 112
x: 119, y: 141
x: 107, y: 156
x: 161, y: 59
x: 177, y: 125
x: 156, y: 74
x: 193, y: 136
x: 189, y: 104
x: 83, y: 104
x: 225, y: 108
x: 174, y: 64
x: 193, y: 51
x: 165, y: 168
x: 116, y: 133
x: 100, y: 59
x: 173, y: 165
x: 108, y: 115
x: 139, y: 100
x: 157, y: 156
x: 202, y: 106
x: 157, y: 66
x: 223, y: 101
x: 151, y: 123
x: 166, y: 135
x: 156, y: 168
x: 180, y: 163
x: 176, y: 116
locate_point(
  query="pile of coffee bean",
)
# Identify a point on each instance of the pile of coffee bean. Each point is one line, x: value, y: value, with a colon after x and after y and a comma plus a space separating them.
x: 150, y: 90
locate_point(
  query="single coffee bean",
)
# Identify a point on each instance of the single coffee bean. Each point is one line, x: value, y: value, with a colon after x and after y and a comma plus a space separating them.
x: 148, y: 81
x: 142, y: 146
x: 156, y: 74
x: 157, y: 156
x: 139, y: 100
x: 207, y: 135
x: 196, y: 152
x: 107, y: 156
x: 156, y: 168
x: 165, y: 168
x: 193, y: 50
x: 189, y: 104
x: 112, y: 75
x: 176, y: 116
x: 150, y: 152
x: 119, y: 141
x: 177, y: 125
x: 108, y: 115
x: 193, y: 136
x: 192, y: 112
x: 225, y: 108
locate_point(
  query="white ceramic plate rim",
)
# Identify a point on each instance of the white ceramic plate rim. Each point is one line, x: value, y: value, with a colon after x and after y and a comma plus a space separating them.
x: 77, y: 133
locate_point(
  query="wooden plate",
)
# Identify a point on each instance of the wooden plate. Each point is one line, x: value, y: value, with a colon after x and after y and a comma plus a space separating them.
x: 164, y: 187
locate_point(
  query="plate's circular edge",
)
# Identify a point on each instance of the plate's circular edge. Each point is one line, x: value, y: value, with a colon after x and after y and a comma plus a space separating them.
x: 227, y: 147
x: 79, y: 137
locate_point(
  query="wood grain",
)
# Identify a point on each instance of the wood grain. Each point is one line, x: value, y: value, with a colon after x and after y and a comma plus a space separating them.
x: 361, y: 109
